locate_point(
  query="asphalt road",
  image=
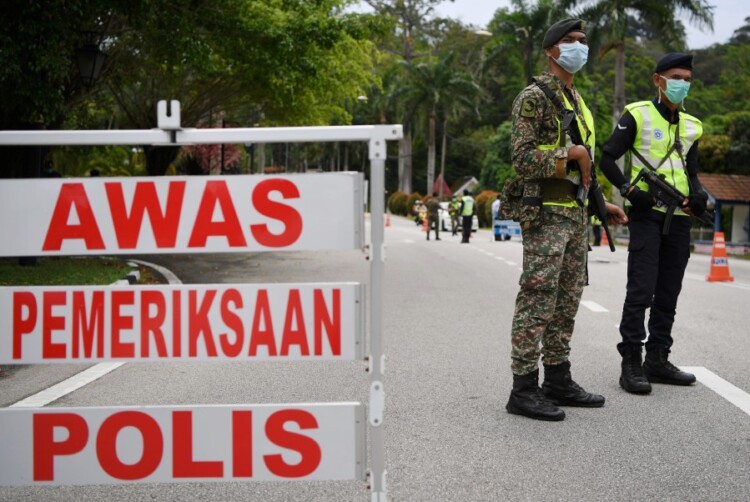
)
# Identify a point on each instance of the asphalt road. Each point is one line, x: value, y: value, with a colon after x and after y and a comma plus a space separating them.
x: 448, y: 310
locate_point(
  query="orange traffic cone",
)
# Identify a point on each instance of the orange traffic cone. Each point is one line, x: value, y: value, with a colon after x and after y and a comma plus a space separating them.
x: 424, y: 224
x: 719, y: 261
x: 604, y: 241
x: 387, y: 219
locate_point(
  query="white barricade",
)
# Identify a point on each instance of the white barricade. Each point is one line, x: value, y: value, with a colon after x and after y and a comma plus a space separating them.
x: 70, y: 324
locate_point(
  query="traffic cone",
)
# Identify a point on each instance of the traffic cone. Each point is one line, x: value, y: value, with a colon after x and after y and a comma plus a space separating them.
x: 424, y: 224
x: 719, y: 261
x: 604, y: 241
x: 387, y: 219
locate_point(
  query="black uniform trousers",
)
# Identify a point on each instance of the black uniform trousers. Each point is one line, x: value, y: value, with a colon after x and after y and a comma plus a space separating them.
x: 656, y: 266
x: 466, y: 222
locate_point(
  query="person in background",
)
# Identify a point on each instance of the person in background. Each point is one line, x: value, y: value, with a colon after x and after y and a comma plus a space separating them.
x: 656, y: 132
x: 467, y: 211
x: 433, y: 207
x: 453, y: 209
x: 496, y: 208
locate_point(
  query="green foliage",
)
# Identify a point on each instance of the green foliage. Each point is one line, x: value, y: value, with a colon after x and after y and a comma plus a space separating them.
x: 484, y: 207
x: 397, y: 203
x: 62, y: 271
x: 497, y: 164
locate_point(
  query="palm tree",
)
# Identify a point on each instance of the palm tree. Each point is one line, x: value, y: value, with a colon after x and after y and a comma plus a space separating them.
x: 612, y: 20
x: 435, y: 90
x: 523, y: 29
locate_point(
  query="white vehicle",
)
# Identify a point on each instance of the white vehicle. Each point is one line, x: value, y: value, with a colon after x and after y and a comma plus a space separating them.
x: 444, y: 218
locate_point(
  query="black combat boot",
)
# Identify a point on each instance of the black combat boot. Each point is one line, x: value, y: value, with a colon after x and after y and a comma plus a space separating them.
x: 560, y: 388
x: 527, y: 399
x: 632, y: 378
x: 658, y: 369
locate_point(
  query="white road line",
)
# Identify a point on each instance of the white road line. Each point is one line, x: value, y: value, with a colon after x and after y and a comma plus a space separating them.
x: 731, y: 393
x: 593, y: 306
x: 702, y: 278
x: 408, y: 241
x: 499, y: 258
x: 512, y: 263
x: 65, y: 387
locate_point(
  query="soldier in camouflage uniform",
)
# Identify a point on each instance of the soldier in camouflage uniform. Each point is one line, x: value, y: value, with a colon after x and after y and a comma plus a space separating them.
x: 555, y: 239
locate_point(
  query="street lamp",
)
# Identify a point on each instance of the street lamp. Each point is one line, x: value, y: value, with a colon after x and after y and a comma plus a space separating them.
x: 90, y: 60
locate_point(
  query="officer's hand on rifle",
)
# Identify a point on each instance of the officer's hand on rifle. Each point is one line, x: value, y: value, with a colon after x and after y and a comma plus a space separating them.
x: 643, y: 201
x: 695, y: 204
x: 579, y: 154
x: 615, y: 214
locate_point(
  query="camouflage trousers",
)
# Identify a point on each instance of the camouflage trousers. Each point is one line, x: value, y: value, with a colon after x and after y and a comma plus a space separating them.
x: 554, y: 267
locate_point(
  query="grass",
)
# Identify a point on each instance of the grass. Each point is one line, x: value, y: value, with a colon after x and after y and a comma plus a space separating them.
x: 64, y: 270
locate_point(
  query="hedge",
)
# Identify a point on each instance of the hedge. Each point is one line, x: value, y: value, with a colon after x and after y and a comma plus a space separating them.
x: 484, y: 207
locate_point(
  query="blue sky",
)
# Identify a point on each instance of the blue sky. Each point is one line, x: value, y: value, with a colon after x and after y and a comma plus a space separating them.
x: 728, y: 16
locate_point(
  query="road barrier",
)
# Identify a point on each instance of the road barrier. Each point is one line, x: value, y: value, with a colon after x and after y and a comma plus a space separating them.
x: 269, y: 322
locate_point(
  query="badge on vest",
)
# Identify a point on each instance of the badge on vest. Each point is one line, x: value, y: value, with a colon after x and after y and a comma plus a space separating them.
x: 658, y: 134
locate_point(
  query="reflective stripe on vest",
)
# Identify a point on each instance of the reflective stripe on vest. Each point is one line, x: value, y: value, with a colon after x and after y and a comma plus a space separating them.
x: 468, y: 206
x: 590, y: 142
x: 654, y: 137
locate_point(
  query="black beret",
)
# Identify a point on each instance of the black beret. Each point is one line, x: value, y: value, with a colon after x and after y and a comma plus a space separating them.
x: 674, y: 60
x: 559, y: 30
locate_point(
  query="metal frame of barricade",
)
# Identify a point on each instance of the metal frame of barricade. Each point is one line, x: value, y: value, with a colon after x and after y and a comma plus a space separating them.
x: 171, y: 132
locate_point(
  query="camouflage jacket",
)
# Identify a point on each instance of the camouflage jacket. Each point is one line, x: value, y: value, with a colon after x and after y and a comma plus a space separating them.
x: 535, y: 123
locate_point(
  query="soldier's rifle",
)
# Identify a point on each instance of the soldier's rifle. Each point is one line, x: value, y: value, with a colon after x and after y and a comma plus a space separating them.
x: 594, y: 193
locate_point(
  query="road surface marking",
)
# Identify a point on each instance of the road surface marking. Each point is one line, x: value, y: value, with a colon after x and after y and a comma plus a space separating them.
x: 731, y: 393
x: 512, y: 263
x: 499, y: 258
x: 65, y: 387
x: 593, y: 306
x: 702, y: 278
x: 408, y: 241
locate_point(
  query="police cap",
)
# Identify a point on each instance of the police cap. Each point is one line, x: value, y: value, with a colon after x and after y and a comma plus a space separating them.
x: 674, y: 60
x: 560, y: 29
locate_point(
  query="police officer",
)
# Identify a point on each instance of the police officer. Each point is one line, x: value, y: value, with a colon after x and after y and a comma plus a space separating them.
x: 453, y: 208
x: 667, y: 139
x: 555, y: 243
x: 467, y: 216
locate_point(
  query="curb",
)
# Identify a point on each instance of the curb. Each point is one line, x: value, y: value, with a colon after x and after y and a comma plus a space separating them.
x: 167, y: 274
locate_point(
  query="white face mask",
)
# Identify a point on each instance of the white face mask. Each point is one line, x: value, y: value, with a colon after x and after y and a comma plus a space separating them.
x: 572, y: 56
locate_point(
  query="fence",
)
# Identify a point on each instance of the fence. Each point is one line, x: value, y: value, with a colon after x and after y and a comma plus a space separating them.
x: 194, y: 215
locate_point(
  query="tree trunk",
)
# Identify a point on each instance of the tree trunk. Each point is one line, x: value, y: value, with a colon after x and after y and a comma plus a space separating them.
x: 405, y: 178
x: 619, y: 103
x: 261, y: 157
x: 158, y: 158
x: 442, y: 157
x: 431, y: 154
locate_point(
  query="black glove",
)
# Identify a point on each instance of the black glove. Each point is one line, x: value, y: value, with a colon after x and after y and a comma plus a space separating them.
x: 697, y: 203
x: 642, y: 201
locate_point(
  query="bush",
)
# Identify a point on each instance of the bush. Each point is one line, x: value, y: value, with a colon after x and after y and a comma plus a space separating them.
x: 484, y: 207
x: 397, y: 203
x: 411, y: 200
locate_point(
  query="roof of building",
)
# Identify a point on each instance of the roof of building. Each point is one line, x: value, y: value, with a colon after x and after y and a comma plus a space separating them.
x: 727, y: 187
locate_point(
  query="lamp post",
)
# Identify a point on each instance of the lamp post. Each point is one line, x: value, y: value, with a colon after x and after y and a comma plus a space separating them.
x: 90, y: 61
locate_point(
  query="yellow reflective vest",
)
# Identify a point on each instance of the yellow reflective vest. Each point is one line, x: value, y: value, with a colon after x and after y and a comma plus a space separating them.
x: 563, y: 141
x: 468, y: 206
x: 654, y: 138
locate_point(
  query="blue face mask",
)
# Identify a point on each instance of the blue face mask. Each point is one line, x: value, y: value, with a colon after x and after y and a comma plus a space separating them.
x: 677, y: 90
x: 572, y: 56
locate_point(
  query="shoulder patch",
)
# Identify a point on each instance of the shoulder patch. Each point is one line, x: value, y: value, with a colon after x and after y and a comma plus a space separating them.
x: 528, y: 107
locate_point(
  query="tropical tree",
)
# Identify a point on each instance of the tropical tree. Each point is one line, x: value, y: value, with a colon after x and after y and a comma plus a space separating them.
x: 522, y: 30
x: 438, y: 90
x: 611, y: 21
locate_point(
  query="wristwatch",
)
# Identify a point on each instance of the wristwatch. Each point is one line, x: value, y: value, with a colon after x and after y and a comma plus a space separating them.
x: 624, y: 189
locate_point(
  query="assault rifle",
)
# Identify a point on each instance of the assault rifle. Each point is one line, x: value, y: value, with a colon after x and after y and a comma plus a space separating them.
x: 594, y: 192
x: 662, y: 191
